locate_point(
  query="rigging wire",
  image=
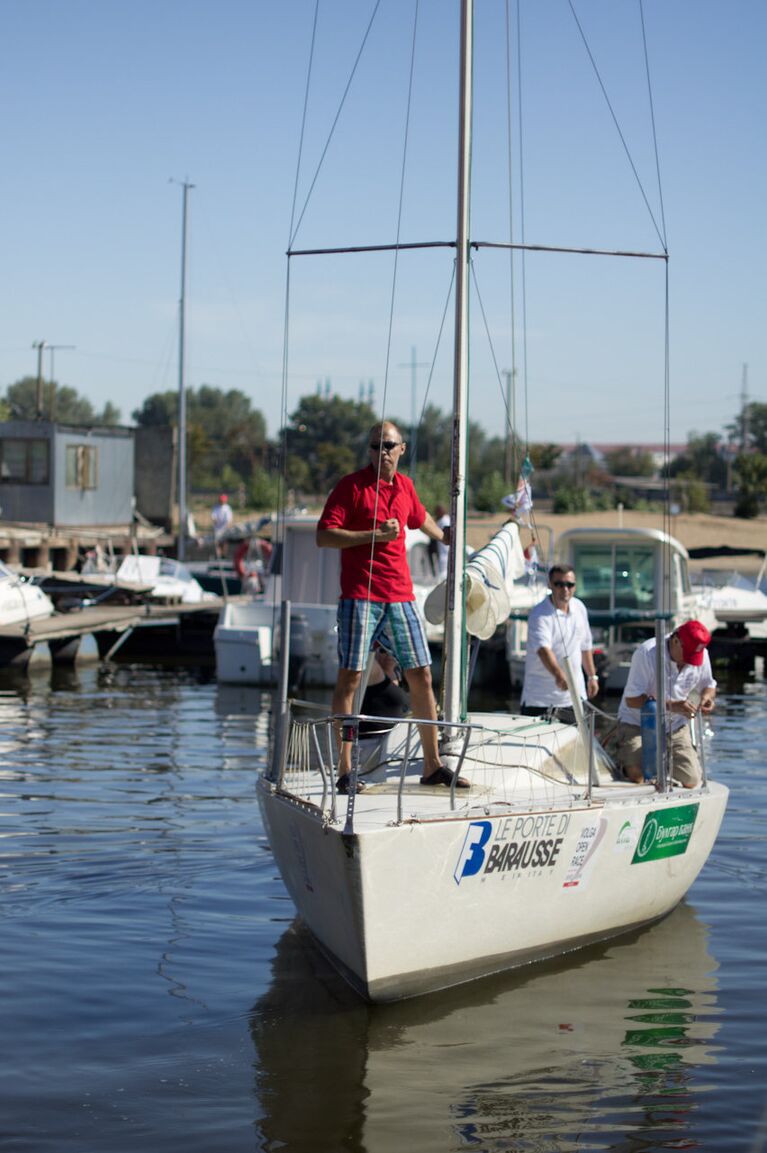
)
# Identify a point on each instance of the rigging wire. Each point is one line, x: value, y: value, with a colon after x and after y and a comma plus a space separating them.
x: 395, y: 268
x: 525, y: 375
x: 626, y: 149
x: 337, y: 117
x: 652, y: 121
x: 510, y: 431
x: 436, y: 347
x: 667, y: 347
x: 303, y: 121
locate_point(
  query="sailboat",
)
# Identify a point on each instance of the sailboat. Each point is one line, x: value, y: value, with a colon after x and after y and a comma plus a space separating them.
x: 409, y: 889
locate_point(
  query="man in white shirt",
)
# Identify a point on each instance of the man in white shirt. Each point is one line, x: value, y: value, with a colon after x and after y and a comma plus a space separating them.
x: 689, y: 686
x: 558, y: 627
x: 221, y: 518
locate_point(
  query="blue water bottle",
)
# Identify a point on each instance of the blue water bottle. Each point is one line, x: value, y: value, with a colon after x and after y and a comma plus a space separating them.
x: 648, y: 717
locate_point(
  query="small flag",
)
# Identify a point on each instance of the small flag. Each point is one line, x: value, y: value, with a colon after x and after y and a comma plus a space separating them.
x: 520, y: 502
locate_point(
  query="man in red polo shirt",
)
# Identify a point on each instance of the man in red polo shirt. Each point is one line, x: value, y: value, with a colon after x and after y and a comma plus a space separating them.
x: 366, y: 516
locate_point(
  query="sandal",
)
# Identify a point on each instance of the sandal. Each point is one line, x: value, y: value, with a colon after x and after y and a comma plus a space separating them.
x: 343, y: 785
x: 443, y: 776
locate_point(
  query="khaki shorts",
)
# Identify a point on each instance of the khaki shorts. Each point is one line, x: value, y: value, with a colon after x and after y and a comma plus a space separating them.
x: 685, y: 766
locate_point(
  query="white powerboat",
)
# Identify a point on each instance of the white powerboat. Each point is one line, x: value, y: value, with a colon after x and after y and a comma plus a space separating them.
x: 246, y: 638
x: 20, y: 599
x: 169, y: 581
x: 627, y: 578
x: 737, y: 601
x: 410, y: 888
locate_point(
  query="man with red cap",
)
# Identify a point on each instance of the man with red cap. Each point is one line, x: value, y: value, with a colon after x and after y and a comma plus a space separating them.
x: 690, y: 687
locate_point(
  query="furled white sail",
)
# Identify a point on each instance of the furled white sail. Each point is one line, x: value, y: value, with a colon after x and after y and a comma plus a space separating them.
x: 490, y: 575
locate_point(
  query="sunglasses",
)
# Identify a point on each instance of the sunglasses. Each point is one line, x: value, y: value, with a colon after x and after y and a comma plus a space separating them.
x: 564, y: 584
x: 387, y: 444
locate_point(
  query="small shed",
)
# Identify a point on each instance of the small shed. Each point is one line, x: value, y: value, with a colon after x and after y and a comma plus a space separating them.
x: 64, y: 475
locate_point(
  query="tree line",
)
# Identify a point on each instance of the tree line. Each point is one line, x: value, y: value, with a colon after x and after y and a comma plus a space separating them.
x: 325, y: 437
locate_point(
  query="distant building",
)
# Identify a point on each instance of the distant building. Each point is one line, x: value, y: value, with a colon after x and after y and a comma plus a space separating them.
x: 66, y: 476
x: 596, y: 453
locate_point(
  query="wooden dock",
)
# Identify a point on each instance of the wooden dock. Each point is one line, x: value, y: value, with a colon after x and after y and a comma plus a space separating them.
x: 158, y: 631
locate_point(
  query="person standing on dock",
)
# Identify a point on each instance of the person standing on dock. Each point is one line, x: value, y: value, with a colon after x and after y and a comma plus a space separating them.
x: 558, y: 627
x: 366, y: 516
x: 221, y: 518
x: 690, y: 686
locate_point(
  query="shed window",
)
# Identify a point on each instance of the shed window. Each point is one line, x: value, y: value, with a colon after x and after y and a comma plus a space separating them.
x: 23, y: 461
x: 82, y: 466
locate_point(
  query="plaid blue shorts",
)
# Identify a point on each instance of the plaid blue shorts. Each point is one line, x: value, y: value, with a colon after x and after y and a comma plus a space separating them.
x: 362, y: 623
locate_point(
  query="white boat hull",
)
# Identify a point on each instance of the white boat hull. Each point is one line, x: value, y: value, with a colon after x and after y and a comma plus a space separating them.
x: 246, y: 642
x: 242, y: 640
x: 404, y: 909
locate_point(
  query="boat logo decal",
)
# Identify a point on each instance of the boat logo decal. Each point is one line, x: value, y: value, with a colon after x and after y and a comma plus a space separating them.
x: 522, y: 844
x: 589, y: 838
x: 472, y: 854
x: 665, y: 833
x: 628, y: 835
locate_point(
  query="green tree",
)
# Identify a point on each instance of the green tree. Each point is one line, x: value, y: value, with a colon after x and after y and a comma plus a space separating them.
x: 751, y: 478
x: 433, y: 486
x: 264, y: 492
x: 64, y: 405
x: 629, y: 461
x: 224, y: 432
x: 701, y: 459
x: 435, y: 438
x: 544, y: 456
x: 491, y: 491
x: 693, y: 494
x: 750, y: 427
x: 329, y: 435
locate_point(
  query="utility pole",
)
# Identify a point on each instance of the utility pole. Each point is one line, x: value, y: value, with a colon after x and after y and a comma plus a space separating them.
x: 744, y: 410
x: 185, y: 187
x: 39, y: 345
x: 414, y: 365
x: 51, y: 349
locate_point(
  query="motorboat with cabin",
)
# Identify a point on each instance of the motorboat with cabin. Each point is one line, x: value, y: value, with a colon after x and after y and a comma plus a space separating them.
x: 627, y: 578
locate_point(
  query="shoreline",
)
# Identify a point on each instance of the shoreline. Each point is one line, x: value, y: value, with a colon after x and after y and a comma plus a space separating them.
x: 693, y: 530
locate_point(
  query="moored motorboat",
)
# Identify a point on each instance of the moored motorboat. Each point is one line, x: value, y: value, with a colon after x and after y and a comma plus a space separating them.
x: 627, y: 578
x: 20, y: 599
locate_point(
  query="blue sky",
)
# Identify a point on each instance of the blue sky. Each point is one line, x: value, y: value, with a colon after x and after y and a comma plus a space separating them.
x: 105, y: 101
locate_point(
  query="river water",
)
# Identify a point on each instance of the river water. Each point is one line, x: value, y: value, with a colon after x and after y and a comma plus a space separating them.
x: 156, y: 995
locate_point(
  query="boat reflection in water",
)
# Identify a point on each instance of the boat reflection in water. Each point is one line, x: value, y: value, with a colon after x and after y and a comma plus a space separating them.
x: 608, y: 1048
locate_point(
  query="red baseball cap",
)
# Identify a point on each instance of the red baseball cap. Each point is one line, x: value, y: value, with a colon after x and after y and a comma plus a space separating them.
x: 694, y: 637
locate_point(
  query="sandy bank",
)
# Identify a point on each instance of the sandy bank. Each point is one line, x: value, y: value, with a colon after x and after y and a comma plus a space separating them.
x: 694, y: 531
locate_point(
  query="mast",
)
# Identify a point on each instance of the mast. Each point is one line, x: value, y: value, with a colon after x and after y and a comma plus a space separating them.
x: 185, y: 186
x: 454, y: 619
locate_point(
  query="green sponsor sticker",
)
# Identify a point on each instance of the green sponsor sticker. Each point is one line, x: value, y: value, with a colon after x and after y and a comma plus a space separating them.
x: 665, y: 833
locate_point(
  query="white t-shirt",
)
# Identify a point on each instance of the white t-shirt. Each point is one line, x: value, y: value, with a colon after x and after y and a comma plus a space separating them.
x: 221, y: 518
x: 567, y: 635
x: 679, y: 683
